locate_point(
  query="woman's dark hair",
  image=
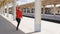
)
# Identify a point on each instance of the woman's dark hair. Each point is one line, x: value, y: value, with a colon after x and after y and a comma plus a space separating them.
x: 18, y: 7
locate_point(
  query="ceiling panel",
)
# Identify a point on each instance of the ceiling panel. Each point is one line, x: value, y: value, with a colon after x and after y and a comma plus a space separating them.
x: 1, y: 0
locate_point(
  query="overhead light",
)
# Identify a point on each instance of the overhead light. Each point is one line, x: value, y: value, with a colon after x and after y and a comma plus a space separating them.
x: 48, y: 6
x: 58, y: 5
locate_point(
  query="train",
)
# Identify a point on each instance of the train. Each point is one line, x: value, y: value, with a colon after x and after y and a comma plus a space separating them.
x: 29, y: 10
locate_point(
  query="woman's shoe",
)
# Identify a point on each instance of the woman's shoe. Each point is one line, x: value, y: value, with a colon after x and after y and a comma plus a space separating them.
x: 17, y: 28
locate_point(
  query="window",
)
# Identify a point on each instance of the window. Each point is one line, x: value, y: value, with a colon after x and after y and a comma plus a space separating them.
x: 32, y: 10
x: 24, y: 10
x: 28, y: 10
x: 5, y: 10
x: 41, y: 10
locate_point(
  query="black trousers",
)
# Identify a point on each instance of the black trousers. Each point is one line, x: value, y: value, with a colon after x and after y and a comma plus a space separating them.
x: 18, y: 21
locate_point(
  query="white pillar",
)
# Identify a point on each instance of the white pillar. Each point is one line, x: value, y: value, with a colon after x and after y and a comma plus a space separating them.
x: 54, y: 9
x: 26, y: 10
x: 51, y: 10
x: 4, y: 11
x: 43, y: 9
x: 1, y: 10
x: 38, y: 15
x: 7, y: 10
x: 30, y: 10
x: 14, y: 9
x: 23, y: 10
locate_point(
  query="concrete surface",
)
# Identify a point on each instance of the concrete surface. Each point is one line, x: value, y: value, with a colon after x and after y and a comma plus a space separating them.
x: 8, y: 28
x: 27, y: 26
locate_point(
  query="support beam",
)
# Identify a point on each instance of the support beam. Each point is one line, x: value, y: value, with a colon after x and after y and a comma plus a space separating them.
x: 7, y: 10
x: 1, y: 10
x: 51, y: 10
x: 26, y: 11
x: 54, y: 9
x: 14, y: 9
x: 30, y: 10
x: 38, y: 15
x: 43, y: 9
x: 4, y: 8
x: 4, y: 11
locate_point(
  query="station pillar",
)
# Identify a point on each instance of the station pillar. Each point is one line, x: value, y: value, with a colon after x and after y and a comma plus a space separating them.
x: 3, y: 10
x: 54, y: 9
x: 14, y: 9
x: 43, y: 9
x: 7, y: 10
x: 26, y: 11
x: 38, y: 15
x: 30, y: 10
x: 0, y: 10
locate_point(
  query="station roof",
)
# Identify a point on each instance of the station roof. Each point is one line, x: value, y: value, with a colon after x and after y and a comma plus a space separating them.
x: 50, y: 2
x: 44, y: 2
x: 3, y: 2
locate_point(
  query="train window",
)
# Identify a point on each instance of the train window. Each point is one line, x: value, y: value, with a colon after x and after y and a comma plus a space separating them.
x: 28, y: 10
x: 58, y: 12
x: 48, y: 11
x: 5, y: 10
x: 24, y: 10
x: 32, y: 10
x: 41, y: 10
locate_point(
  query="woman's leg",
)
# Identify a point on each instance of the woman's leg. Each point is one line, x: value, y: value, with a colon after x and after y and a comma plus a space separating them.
x: 18, y: 20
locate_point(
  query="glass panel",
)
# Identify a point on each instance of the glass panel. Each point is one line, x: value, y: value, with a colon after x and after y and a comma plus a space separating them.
x: 28, y: 10
x: 24, y: 10
x: 32, y: 10
x: 5, y: 10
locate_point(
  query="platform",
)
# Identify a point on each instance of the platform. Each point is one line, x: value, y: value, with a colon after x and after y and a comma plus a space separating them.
x: 7, y: 27
x: 27, y: 26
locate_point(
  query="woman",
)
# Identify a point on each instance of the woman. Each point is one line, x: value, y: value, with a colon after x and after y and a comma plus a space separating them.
x: 18, y: 16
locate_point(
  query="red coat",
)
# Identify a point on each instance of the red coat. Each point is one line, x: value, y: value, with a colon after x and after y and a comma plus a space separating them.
x: 18, y: 13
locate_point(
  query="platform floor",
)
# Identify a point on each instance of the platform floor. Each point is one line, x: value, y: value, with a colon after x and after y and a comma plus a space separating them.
x: 8, y: 28
x: 27, y: 26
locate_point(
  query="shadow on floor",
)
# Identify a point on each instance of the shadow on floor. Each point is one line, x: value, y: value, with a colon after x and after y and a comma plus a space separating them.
x: 8, y: 28
x: 32, y: 32
x: 54, y: 21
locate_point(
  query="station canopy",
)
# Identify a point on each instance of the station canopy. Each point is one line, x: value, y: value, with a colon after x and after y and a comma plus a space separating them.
x: 50, y: 2
x: 44, y: 2
x: 4, y: 2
